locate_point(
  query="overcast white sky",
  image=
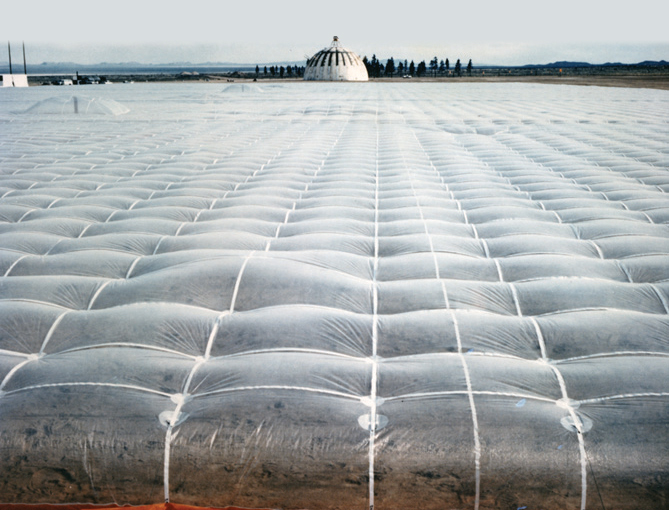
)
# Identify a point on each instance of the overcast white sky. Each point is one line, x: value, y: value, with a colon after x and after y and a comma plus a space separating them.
x: 503, y: 32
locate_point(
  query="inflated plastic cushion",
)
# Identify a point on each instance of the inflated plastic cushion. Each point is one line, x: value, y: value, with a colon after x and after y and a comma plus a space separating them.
x: 331, y: 296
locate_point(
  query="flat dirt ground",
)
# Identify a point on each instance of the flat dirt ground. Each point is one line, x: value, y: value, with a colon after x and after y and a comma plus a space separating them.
x: 659, y: 81
x: 646, y: 82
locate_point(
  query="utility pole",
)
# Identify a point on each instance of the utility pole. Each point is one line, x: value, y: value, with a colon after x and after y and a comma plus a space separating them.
x: 25, y: 70
x: 9, y: 50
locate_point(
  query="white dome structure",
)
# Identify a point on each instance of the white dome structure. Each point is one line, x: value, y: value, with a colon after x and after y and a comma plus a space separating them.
x: 336, y: 63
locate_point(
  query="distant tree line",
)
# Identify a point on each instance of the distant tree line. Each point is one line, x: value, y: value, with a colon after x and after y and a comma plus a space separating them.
x: 281, y: 71
x: 375, y: 69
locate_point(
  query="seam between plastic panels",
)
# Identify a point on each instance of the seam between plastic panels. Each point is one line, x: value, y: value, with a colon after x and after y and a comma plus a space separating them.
x: 516, y: 301
x: 463, y: 361
x: 375, y: 321
x: 17, y: 354
x: 25, y: 214
x: 292, y: 349
x: 83, y: 231
x: 589, y: 160
x: 38, y: 302
x: 103, y: 384
x: 567, y: 403
x: 239, y: 183
x: 182, y: 398
x: 624, y: 271
x: 282, y: 387
x: 97, y: 293
x: 13, y: 265
x: 225, y: 195
x: 465, y: 392
x: 54, y: 246
x: 622, y: 396
x: 15, y: 369
x: 612, y: 355
x: 131, y: 345
x: 132, y: 266
x: 650, y: 220
x: 33, y: 357
x: 597, y: 248
x: 661, y: 297
x: 306, y: 187
x: 160, y: 241
x: 49, y: 333
x: 472, y: 405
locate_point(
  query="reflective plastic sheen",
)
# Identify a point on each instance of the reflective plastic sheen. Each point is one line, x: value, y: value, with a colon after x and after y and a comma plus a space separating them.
x: 335, y: 296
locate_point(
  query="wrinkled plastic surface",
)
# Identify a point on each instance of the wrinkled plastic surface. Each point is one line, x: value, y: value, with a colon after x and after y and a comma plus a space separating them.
x: 260, y: 299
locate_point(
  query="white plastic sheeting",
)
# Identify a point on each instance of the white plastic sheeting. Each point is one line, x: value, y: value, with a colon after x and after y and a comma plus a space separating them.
x: 77, y: 104
x: 333, y: 296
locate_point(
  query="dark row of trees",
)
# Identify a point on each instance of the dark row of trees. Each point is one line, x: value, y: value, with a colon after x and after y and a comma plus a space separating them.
x: 376, y: 69
x: 437, y: 67
x: 281, y: 71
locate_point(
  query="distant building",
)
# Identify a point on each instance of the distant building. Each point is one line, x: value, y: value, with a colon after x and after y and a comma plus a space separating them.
x: 335, y: 63
x: 11, y: 79
x: 14, y: 80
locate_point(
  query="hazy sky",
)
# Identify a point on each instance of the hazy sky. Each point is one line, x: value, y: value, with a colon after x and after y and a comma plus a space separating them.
x: 504, y: 32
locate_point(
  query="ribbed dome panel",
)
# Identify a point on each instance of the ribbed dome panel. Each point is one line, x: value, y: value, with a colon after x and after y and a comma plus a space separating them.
x: 336, y: 64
